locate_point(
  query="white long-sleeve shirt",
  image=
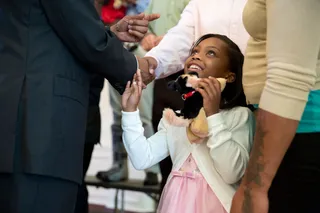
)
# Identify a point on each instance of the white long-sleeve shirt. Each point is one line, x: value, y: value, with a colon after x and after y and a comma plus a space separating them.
x: 221, y: 159
x: 198, y: 18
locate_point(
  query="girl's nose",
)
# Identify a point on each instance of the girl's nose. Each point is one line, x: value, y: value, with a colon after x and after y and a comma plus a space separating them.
x: 195, y: 57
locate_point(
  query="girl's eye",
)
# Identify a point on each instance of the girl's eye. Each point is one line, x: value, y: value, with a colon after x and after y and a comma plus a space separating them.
x: 211, y: 53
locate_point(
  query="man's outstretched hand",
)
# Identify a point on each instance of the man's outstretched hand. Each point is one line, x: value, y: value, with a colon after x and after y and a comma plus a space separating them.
x: 147, y: 65
x: 133, y: 28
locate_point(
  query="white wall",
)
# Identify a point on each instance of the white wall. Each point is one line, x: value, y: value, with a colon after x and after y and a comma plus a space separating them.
x: 102, y: 160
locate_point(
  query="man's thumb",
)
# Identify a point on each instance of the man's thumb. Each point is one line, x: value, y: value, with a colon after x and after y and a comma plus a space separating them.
x: 151, y: 66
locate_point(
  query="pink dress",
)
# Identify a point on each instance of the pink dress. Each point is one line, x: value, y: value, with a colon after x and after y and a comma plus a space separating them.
x: 188, y: 192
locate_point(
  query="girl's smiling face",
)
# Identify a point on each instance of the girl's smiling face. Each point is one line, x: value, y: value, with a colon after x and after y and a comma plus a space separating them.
x: 209, y: 58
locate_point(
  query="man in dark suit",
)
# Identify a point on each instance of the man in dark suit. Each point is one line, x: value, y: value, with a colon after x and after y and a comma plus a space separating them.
x: 48, y: 49
x: 92, y: 138
x: 93, y: 129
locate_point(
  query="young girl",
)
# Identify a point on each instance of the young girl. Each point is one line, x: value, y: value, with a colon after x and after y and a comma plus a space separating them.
x: 204, y: 176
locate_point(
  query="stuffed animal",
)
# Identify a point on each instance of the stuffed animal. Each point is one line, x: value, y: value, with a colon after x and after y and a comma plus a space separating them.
x: 192, y: 115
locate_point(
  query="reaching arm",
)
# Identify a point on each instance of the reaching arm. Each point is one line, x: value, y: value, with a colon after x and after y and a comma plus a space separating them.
x: 143, y: 152
x: 230, y: 140
x: 293, y: 43
x: 174, y: 48
x: 78, y: 25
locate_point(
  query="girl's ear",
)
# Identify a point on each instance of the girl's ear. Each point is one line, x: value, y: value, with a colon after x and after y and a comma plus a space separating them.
x: 230, y: 77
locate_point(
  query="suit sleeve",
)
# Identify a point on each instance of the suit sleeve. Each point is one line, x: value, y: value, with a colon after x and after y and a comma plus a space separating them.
x: 78, y: 25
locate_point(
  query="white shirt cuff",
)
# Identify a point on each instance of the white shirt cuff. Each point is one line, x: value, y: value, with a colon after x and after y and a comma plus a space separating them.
x: 130, y: 118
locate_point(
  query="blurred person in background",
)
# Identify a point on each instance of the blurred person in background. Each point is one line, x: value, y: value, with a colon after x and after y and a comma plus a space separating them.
x: 119, y: 169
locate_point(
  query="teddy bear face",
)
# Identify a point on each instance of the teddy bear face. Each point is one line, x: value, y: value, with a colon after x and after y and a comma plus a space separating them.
x: 188, y: 82
x: 184, y: 83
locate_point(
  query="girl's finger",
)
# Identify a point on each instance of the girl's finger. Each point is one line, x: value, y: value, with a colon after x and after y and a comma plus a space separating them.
x: 211, y: 82
x: 128, y: 85
x: 203, y: 93
x: 211, y: 86
x: 139, y: 82
x: 206, y: 88
x: 134, y: 87
x: 215, y: 83
x: 139, y: 78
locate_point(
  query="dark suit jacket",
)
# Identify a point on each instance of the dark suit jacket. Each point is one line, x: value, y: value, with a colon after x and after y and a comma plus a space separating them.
x: 48, y: 48
x: 94, y: 120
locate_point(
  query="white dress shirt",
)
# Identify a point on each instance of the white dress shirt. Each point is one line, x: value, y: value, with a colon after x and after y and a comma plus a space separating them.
x: 198, y: 18
x: 221, y: 159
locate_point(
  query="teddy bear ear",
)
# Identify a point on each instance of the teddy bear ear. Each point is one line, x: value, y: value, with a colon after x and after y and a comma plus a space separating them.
x: 222, y: 82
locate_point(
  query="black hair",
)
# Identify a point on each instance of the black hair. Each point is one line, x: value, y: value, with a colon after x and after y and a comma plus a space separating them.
x: 233, y: 94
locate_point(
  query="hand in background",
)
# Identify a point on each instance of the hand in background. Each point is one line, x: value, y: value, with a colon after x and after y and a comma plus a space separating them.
x: 148, y: 42
x: 133, y: 28
x: 210, y: 90
x: 132, y: 94
x: 158, y: 39
x: 147, y: 66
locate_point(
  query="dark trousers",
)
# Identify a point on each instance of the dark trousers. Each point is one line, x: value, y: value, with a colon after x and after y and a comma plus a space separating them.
x: 26, y: 193
x: 296, y: 187
x: 82, y: 205
x: 164, y: 98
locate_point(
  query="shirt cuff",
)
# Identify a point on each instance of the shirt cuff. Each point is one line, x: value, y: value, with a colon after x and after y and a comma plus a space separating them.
x: 282, y: 105
x: 130, y: 118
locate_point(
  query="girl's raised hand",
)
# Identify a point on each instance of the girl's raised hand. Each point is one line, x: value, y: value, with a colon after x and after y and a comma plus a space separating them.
x: 210, y: 90
x: 132, y: 94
